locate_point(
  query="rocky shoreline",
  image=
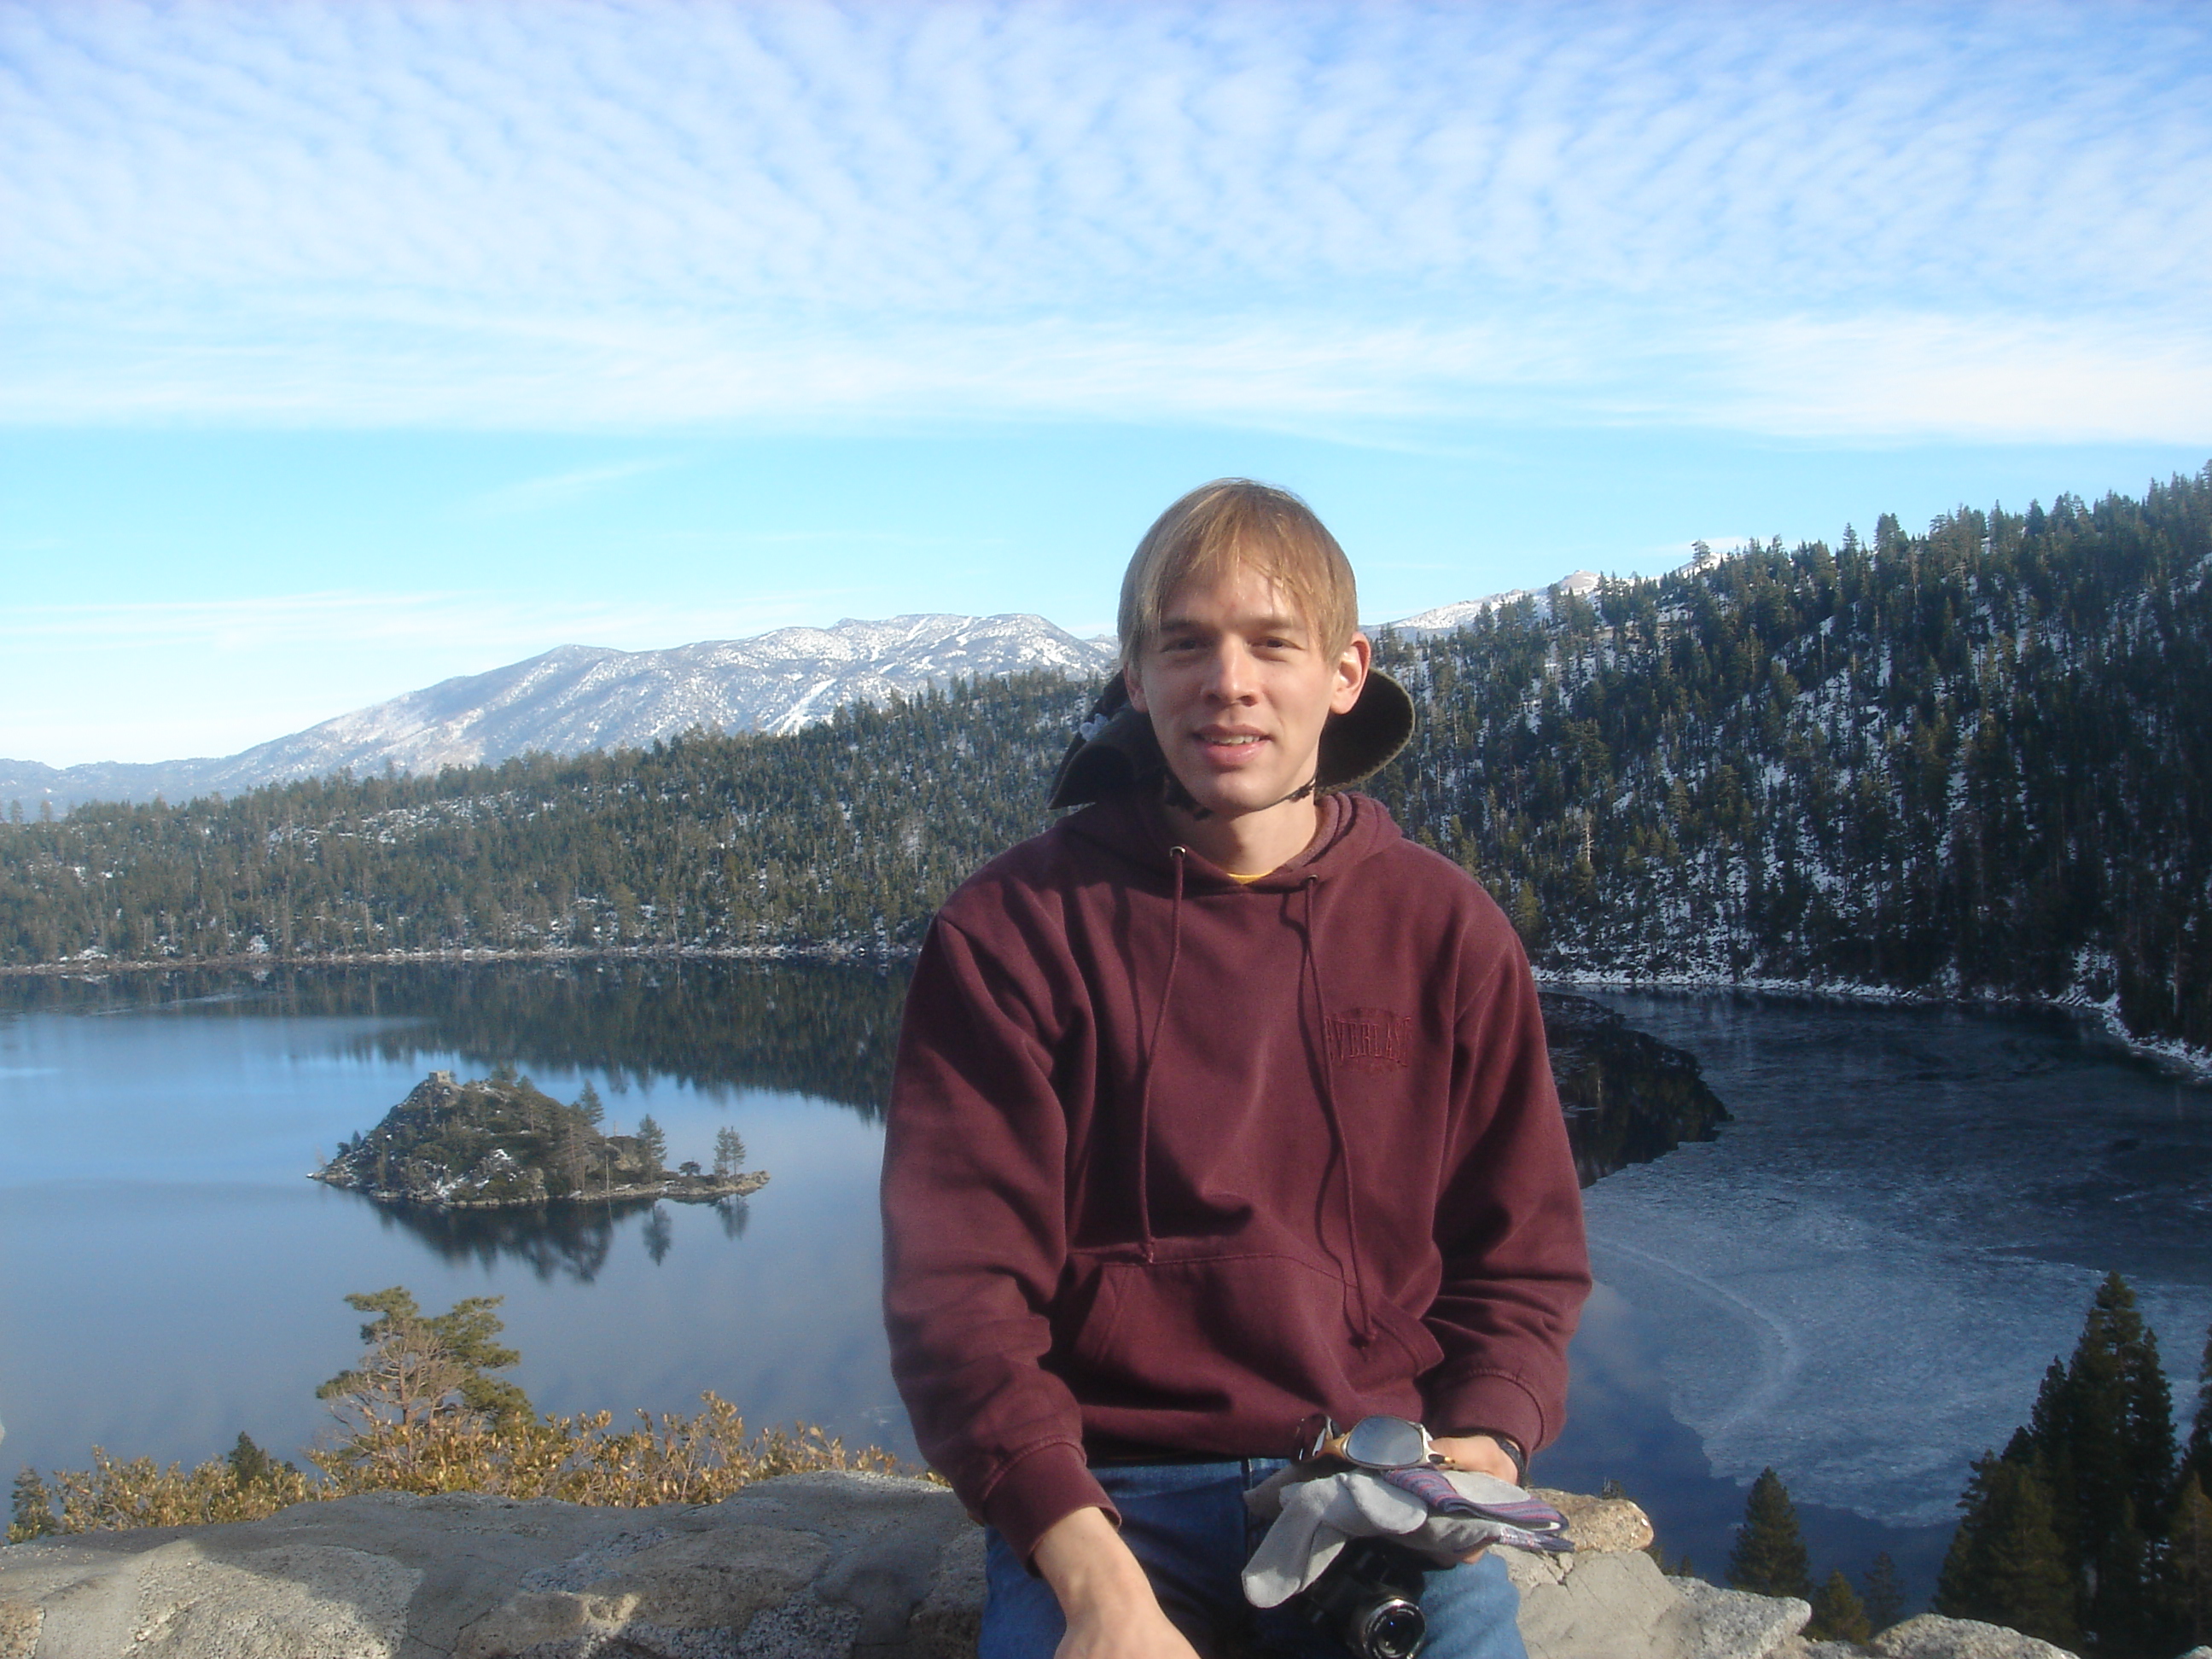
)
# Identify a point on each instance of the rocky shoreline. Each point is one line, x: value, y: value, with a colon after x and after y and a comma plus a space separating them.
x: 828, y: 1566
x: 680, y: 1189
x: 92, y: 964
x: 2193, y: 1062
x: 2197, y: 1062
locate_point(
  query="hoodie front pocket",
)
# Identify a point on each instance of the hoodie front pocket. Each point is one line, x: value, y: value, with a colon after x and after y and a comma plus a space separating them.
x: 1410, y: 1333
x: 1198, y: 1334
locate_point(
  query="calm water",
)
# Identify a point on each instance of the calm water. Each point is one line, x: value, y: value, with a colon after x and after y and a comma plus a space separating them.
x: 1859, y: 1281
x: 167, y: 1277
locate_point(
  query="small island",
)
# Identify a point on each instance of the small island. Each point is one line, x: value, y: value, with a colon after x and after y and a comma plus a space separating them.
x: 500, y: 1142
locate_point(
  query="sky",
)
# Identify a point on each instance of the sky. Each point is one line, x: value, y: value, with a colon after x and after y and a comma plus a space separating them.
x: 345, y: 347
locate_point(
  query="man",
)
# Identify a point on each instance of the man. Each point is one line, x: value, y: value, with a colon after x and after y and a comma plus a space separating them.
x: 1222, y: 1111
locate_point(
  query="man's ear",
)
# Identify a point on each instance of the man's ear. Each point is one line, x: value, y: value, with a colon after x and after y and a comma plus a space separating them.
x: 1135, y: 688
x: 1351, y: 673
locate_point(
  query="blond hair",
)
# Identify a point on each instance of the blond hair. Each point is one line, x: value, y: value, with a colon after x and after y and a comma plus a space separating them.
x: 1235, y: 523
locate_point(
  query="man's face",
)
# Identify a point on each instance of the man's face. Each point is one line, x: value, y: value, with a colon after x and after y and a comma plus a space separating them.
x: 1238, y: 685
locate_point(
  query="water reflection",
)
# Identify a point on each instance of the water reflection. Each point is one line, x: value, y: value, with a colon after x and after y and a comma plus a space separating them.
x: 555, y: 1242
x: 659, y: 1235
x: 816, y: 1028
x: 1629, y: 1097
x: 828, y: 1031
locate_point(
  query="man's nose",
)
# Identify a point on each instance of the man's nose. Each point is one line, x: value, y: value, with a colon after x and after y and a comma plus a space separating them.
x: 1230, y: 676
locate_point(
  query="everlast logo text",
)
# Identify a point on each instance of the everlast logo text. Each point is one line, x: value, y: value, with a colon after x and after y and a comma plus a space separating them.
x: 1369, y: 1040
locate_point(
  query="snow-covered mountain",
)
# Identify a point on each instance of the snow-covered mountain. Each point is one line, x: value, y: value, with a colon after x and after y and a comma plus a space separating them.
x: 579, y: 697
x: 1446, y: 617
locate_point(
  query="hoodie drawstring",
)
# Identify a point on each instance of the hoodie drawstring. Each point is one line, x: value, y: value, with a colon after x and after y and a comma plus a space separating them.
x: 1364, y: 1328
x: 1152, y: 1060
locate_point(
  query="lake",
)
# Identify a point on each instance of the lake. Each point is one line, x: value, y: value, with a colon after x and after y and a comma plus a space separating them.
x: 1859, y: 1280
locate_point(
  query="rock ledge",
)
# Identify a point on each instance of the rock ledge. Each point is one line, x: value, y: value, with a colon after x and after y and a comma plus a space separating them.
x: 837, y: 1564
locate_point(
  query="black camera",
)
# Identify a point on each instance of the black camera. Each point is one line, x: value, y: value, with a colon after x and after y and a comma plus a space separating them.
x: 1370, y: 1599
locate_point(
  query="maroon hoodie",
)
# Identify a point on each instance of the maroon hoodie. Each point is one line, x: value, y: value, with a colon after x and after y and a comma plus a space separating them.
x: 1176, y: 1163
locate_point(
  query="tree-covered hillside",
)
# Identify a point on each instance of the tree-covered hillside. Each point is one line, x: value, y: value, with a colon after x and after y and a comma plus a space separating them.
x: 847, y: 833
x: 1978, y: 760
x: 1971, y: 760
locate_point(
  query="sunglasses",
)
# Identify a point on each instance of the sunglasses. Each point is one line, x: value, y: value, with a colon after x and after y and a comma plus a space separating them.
x: 1376, y: 1443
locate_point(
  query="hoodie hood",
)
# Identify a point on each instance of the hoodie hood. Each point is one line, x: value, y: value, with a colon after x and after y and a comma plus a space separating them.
x: 1131, y: 824
x: 1114, y: 747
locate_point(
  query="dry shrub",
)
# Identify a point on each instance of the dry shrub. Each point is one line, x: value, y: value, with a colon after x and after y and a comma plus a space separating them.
x: 665, y: 1460
x: 114, y: 1494
x: 422, y: 1413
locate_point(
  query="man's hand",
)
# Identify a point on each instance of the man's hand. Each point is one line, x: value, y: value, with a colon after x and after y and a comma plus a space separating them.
x: 1478, y: 1452
x: 1111, y: 1611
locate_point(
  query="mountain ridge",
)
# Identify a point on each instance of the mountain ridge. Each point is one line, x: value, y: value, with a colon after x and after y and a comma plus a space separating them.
x: 1450, y: 618
x: 575, y: 698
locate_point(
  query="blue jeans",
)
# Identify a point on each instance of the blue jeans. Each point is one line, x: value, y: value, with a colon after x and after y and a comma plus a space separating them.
x: 1188, y: 1524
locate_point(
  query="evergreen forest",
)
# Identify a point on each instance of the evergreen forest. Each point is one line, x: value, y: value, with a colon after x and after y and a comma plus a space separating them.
x: 1971, y: 762
x: 2090, y: 1530
x: 1962, y: 762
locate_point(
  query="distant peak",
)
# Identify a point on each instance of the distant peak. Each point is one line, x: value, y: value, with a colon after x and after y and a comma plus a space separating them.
x: 1446, y: 617
x: 574, y: 698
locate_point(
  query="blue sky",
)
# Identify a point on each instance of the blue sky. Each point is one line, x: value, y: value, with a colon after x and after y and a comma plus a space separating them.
x: 344, y: 347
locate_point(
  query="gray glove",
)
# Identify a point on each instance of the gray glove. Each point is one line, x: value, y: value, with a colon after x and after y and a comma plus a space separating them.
x: 1317, y: 1511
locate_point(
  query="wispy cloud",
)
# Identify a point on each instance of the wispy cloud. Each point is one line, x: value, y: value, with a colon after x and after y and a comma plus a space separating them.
x: 1871, y: 373
x: 559, y: 488
x: 1994, y: 378
x: 601, y: 213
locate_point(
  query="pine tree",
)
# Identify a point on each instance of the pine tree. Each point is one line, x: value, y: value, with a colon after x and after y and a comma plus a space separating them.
x: 1838, y: 1616
x: 1884, y: 1597
x: 250, y: 1465
x: 589, y: 1104
x: 729, y: 1151
x: 2005, y: 1565
x: 2104, y: 1430
x: 2200, y: 1432
x: 416, y: 1369
x: 572, y: 1150
x: 2190, y: 1539
x: 1769, y: 1558
x: 2147, y: 1440
x: 33, y: 1515
x: 470, y: 1330
x: 652, y: 1143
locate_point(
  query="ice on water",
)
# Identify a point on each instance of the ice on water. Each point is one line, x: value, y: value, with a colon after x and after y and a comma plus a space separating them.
x: 1861, y: 1281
